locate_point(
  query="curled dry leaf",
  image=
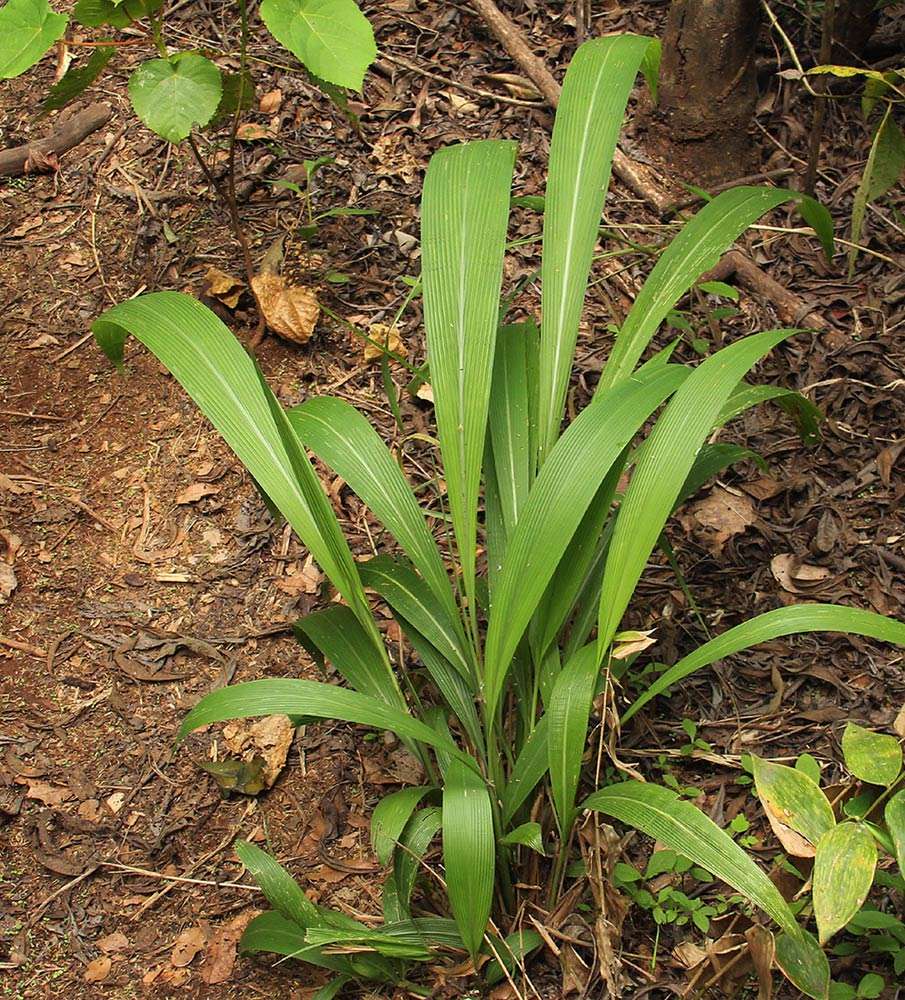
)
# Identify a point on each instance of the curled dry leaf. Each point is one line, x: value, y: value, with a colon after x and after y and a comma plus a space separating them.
x: 187, y: 946
x: 196, y: 492
x: 51, y: 795
x: 387, y: 337
x: 97, y: 970
x: 762, y: 947
x: 271, y: 101
x: 625, y: 644
x: 796, y: 576
x: 249, y: 131
x: 112, y: 943
x: 719, y: 516
x: 269, y: 739
x: 224, y: 287
x: 289, y: 310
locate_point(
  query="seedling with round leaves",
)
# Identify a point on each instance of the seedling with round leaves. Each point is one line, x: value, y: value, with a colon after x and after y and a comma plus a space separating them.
x: 842, y: 837
x: 512, y: 601
x: 180, y: 90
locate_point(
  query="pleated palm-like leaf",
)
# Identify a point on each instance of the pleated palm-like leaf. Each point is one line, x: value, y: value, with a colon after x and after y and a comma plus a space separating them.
x: 495, y: 686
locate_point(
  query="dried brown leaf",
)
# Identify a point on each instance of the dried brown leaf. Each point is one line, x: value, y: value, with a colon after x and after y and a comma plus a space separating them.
x: 289, y: 310
x: 97, y: 970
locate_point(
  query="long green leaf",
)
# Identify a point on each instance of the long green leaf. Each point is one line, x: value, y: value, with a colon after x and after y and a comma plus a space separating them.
x: 568, y: 711
x: 322, y: 701
x: 669, y: 456
x: 464, y: 216
x: 695, y: 249
x: 661, y: 813
x: 771, y: 625
x: 390, y: 817
x: 405, y: 592
x: 338, y: 434
x: 337, y: 635
x: 468, y: 852
x: 595, y: 91
x: 561, y: 494
x: 217, y: 372
x: 509, y: 420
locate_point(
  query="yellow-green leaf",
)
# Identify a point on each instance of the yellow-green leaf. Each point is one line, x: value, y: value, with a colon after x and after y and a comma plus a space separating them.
x: 843, y: 874
x: 872, y: 757
x: 797, y: 809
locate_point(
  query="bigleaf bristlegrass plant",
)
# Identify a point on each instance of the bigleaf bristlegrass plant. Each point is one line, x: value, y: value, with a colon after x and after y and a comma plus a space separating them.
x: 514, y: 620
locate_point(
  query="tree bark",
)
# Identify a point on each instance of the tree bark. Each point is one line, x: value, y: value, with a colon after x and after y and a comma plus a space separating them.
x: 708, y: 87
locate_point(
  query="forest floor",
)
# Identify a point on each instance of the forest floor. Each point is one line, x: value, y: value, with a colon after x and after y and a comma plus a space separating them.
x: 142, y: 569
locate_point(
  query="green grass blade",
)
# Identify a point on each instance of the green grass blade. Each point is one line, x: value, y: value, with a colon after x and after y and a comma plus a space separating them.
x: 530, y: 766
x: 662, y: 814
x: 406, y: 592
x: 568, y: 711
x: 468, y: 852
x: 772, y: 625
x: 806, y: 415
x: 389, y: 818
x: 695, y: 249
x: 272, y: 932
x: 595, y: 91
x: 220, y: 376
x: 509, y: 421
x: 322, y: 701
x: 464, y: 216
x: 335, y: 634
x: 338, y: 434
x: 668, y: 458
x: 561, y: 494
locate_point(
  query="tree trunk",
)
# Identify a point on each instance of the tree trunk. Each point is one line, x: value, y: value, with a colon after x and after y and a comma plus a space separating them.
x: 708, y: 88
x: 856, y: 21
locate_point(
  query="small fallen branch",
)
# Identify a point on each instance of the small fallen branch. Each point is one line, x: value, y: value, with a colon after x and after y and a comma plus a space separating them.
x: 41, y: 155
x: 790, y: 308
x: 633, y: 174
x: 636, y: 176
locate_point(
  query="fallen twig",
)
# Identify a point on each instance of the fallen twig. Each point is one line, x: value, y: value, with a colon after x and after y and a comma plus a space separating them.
x: 633, y: 174
x: 790, y: 307
x: 636, y: 176
x: 34, y: 157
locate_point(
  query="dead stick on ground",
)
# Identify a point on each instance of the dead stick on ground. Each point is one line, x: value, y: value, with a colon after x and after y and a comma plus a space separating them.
x: 20, y: 159
x: 790, y: 306
x: 631, y: 173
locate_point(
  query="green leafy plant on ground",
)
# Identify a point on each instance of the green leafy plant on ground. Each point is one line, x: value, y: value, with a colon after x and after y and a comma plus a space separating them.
x: 514, y: 617
x: 841, y: 837
x: 181, y: 91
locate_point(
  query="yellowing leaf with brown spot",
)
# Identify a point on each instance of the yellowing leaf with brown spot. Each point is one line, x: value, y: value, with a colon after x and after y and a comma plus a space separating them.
x: 797, y: 809
x: 843, y: 874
